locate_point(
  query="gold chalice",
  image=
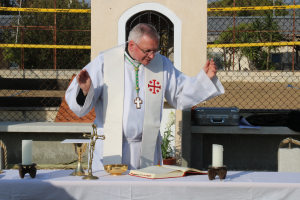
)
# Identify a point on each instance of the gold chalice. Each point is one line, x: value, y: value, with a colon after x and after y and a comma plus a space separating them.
x: 115, y: 170
x: 79, y: 149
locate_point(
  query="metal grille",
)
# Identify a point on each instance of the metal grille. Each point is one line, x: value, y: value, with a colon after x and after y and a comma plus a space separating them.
x: 42, y: 44
x: 255, y: 45
x: 163, y: 25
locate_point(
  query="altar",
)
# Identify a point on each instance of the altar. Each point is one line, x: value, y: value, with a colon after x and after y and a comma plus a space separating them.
x: 57, y: 184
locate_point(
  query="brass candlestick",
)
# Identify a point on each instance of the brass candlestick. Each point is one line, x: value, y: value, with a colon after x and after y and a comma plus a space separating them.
x: 93, y: 138
x: 79, y: 149
x: 214, y: 171
x: 24, y: 169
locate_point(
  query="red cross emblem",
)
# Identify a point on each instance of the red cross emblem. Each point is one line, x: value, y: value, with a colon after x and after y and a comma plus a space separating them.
x: 155, y: 87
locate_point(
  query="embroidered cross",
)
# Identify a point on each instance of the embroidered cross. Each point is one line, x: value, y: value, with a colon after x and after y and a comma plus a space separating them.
x: 154, y: 88
x: 138, y: 102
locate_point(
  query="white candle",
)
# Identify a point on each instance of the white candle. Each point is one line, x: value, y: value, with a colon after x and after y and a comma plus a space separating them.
x: 217, y: 155
x: 26, y: 152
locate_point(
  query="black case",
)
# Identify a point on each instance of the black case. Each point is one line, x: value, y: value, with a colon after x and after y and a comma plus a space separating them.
x: 204, y: 116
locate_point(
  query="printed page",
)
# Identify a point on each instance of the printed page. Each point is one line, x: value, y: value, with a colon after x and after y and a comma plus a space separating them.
x: 176, y: 167
x: 155, y: 170
x: 184, y: 169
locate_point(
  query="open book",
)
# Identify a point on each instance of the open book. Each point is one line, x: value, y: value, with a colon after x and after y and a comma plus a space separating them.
x: 165, y: 171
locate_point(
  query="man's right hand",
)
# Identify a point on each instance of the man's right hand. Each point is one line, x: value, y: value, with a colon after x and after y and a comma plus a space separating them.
x: 210, y: 68
x: 84, y: 81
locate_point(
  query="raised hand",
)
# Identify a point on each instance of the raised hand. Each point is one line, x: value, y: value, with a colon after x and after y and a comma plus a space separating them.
x: 210, y: 68
x: 84, y: 81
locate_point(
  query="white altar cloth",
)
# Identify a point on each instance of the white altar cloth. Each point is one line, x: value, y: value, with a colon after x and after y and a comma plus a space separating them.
x: 237, y: 185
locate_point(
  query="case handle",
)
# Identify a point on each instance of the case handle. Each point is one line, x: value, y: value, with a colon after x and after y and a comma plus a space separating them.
x: 212, y: 120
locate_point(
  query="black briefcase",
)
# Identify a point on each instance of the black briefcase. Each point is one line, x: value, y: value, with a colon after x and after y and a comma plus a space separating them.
x: 204, y: 116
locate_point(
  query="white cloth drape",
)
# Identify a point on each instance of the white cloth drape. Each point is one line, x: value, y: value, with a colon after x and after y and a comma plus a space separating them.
x: 237, y: 186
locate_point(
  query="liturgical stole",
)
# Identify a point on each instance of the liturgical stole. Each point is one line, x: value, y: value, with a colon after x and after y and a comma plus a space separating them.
x: 113, y: 102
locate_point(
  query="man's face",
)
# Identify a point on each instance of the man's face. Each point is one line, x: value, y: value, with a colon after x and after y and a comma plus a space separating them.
x: 144, y: 51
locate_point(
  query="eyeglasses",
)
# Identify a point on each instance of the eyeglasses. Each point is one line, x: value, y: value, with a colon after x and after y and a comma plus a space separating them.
x: 148, y: 53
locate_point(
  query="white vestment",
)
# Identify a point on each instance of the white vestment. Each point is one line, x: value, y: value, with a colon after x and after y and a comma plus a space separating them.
x: 179, y: 90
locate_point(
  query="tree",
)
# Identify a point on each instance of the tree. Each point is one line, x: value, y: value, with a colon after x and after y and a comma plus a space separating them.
x: 246, y: 3
x: 38, y: 28
x: 271, y: 35
x: 259, y: 31
x: 266, y: 30
x: 6, y: 3
x: 226, y: 37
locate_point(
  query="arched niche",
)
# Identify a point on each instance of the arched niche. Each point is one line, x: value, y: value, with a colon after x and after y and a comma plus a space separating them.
x: 156, y: 9
x: 163, y: 25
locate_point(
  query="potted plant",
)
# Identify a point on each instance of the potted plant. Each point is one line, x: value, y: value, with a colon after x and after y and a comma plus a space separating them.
x: 166, y: 148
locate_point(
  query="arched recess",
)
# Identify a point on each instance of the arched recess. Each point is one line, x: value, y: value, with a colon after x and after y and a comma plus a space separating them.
x: 160, y: 9
x: 163, y: 25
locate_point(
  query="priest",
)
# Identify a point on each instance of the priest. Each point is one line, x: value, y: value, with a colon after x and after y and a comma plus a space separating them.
x: 127, y: 86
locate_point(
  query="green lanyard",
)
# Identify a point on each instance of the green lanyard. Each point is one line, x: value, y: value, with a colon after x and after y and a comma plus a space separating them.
x: 136, y: 75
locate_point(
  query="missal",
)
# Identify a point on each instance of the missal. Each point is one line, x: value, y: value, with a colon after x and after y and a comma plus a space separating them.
x: 165, y: 171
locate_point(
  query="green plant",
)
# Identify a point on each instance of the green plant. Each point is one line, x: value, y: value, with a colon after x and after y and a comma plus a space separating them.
x: 243, y: 3
x: 166, y: 147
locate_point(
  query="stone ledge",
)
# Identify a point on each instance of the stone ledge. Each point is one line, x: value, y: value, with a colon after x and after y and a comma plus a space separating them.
x: 265, y: 130
x: 38, y: 73
x: 44, y: 127
x: 51, y: 166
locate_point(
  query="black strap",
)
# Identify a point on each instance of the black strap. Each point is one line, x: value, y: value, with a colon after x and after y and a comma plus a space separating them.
x: 80, y: 98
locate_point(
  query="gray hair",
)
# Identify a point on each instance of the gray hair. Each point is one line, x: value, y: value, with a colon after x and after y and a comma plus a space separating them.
x: 142, y: 29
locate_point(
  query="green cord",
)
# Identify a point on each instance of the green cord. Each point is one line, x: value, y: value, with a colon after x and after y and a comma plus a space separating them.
x: 136, y: 75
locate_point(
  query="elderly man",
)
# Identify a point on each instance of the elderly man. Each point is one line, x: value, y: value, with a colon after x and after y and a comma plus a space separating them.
x: 127, y: 86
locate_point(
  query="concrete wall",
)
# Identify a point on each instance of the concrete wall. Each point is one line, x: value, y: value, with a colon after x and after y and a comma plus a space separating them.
x: 29, y: 115
x: 192, y: 13
x: 224, y: 76
x: 259, y: 76
x: 241, y: 152
x: 286, y: 54
x: 193, y: 17
x: 244, y: 149
x: 47, y: 148
x: 38, y: 73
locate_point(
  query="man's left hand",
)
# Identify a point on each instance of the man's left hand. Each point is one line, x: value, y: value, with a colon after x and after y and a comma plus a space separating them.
x: 210, y: 68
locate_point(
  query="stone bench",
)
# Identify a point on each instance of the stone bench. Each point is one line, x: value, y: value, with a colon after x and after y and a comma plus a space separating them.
x: 244, y: 149
x: 45, y: 127
x: 46, y: 136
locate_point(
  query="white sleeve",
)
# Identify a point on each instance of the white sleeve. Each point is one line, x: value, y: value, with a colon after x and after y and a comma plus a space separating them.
x: 184, y: 92
x: 95, y: 70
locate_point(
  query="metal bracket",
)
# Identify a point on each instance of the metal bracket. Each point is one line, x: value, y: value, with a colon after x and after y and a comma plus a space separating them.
x: 204, y: 118
x: 230, y: 117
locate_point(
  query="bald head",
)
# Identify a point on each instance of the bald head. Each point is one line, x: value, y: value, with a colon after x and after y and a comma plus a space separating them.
x: 141, y: 30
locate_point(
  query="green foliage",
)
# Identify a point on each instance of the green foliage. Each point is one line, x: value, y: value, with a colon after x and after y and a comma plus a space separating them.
x: 247, y: 3
x: 6, y: 3
x: 166, y: 148
x: 40, y: 30
x: 259, y: 31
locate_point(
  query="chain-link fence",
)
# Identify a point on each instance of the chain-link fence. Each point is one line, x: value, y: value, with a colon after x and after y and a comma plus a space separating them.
x: 42, y: 44
x: 255, y: 44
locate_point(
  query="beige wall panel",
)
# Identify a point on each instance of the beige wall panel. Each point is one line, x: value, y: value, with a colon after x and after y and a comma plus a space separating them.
x: 192, y: 13
x: 193, y: 16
